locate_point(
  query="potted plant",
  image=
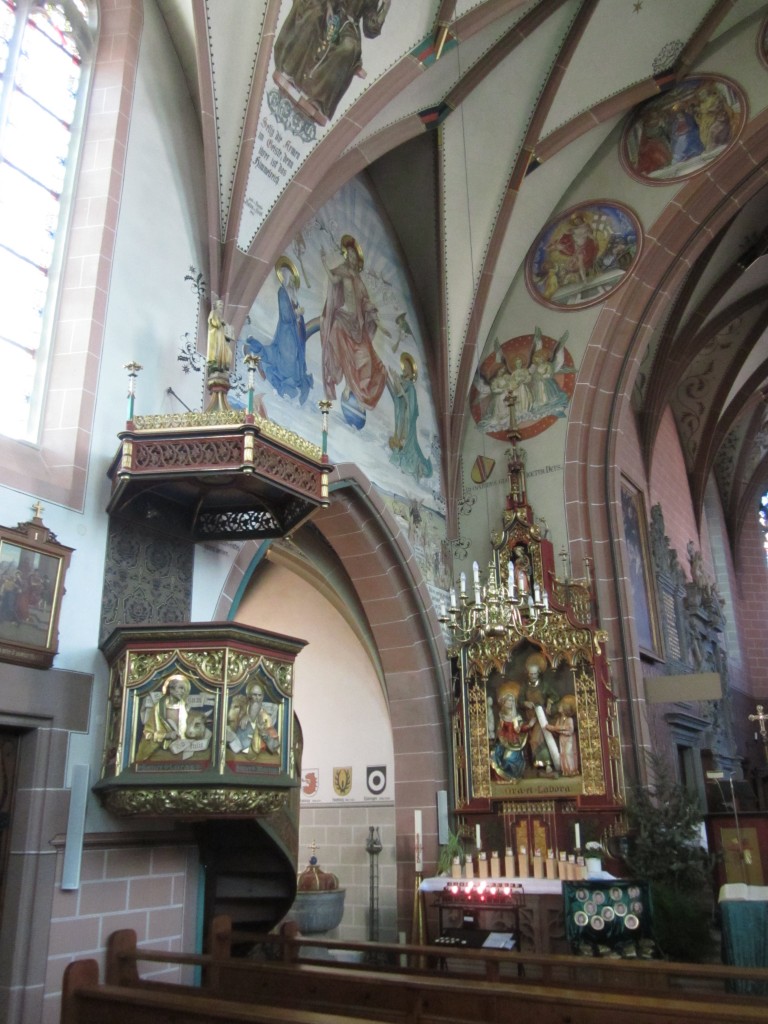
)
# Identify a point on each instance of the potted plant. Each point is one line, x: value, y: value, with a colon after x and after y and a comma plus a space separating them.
x: 452, y: 849
x: 665, y: 849
x: 594, y: 851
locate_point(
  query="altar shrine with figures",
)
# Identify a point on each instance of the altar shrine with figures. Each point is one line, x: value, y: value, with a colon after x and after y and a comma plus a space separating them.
x: 537, y: 770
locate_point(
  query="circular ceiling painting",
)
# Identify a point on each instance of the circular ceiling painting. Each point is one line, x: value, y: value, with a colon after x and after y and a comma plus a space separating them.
x: 533, y: 369
x: 679, y: 133
x: 583, y: 255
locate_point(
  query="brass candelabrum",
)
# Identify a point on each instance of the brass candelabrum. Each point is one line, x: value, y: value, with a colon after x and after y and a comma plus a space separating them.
x: 499, y: 608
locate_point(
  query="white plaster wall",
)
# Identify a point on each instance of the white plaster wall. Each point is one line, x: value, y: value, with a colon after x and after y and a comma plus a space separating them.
x: 337, y: 693
x: 160, y: 235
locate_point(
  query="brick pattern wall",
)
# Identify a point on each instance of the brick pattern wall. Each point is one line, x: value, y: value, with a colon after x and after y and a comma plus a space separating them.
x: 150, y: 889
x: 669, y: 486
x: 341, y: 834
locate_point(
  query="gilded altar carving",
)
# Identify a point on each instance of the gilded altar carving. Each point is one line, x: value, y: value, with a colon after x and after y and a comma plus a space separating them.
x: 535, y: 727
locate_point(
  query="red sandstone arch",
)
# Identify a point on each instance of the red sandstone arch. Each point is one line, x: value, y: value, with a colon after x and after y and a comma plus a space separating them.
x: 383, y: 572
x: 672, y: 244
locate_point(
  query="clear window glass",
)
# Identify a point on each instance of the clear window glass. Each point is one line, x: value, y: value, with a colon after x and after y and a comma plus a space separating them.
x: 41, y: 76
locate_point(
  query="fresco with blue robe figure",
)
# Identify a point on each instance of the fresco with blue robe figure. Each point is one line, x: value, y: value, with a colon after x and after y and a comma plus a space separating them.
x: 360, y: 316
x: 583, y: 255
x: 283, y: 362
x: 682, y: 131
x: 404, y: 442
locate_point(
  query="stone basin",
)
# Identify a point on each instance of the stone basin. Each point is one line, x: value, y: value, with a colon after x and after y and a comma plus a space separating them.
x: 319, y: 911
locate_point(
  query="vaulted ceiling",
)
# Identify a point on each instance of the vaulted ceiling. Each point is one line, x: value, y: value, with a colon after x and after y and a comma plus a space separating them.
x: 524, y: 95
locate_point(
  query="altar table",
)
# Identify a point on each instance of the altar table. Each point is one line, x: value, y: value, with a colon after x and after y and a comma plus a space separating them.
x: 744, y: 911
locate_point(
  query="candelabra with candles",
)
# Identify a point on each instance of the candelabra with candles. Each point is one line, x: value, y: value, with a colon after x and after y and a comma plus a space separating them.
x: 500, y: 608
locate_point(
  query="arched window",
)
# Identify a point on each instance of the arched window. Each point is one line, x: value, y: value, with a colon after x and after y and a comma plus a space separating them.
x: 44, y: 48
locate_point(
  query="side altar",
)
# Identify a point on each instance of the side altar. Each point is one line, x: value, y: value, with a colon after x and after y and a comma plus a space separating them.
x: 537, y: 771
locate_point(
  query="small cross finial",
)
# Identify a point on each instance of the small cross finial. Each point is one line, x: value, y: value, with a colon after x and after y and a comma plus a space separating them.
x: 37, y: 508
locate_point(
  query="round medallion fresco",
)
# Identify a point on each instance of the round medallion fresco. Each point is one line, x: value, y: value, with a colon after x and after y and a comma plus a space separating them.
x: 583, y: 255
x: 537, y: 371
x: 681, y: 132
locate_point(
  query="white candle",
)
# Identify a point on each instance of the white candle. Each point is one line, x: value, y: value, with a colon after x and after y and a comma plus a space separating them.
x: 417, y: 839
x: 478, y: 839
x: 453, y: 597
x: 463, y: 583
x: 546, y: 601
x: 511, y: 584
x: 577, y: 835
x: 476, y: 573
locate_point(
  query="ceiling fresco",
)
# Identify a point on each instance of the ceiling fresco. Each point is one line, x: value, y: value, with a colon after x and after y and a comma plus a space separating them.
x: 478, y: 125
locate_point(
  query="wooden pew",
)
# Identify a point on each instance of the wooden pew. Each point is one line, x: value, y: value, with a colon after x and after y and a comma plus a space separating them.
x: 323, y: 995
x: 84, y: 1001
x: 561, y: 991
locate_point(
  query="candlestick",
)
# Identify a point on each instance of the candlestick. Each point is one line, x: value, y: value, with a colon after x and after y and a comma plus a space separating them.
x: 538, y: 864
x: 417, y: 839
x: 509, y: 863
x: 478, y: 838
x: 577, y: 835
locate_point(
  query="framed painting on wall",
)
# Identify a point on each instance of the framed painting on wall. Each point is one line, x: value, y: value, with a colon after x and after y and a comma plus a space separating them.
x: 32, y: 569
x: 638, y: 568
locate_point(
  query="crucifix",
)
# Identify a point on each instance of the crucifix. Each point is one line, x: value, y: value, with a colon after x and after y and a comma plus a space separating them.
x: 761, y: 718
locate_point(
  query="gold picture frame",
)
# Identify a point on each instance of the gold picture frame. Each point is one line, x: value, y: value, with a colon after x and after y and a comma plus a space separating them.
x: 32, y: 569
x: 640, y: 580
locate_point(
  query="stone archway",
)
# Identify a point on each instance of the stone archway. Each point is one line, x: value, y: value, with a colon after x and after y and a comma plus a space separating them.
x: 592, y: 474
x: 381, y: 568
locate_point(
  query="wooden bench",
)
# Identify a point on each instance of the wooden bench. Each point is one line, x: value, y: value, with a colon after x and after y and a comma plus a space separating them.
x: 478, y: 985
x: 85, y: 1001
x: 322, y: 995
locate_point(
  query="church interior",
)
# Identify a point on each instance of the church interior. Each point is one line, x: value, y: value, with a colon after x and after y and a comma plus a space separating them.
x: 384, y: 466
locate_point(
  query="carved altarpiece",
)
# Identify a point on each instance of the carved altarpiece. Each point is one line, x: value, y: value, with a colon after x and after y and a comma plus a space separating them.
x: 535, y: 726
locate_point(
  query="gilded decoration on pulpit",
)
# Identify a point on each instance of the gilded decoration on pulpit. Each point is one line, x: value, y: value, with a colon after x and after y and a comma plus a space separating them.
x: 175, y: 724
x: 206, y: 706
x: 177, y: 712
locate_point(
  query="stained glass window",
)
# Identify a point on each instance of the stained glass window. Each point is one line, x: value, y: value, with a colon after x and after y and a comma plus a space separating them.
x: 41, y: 63
x: 764, y: 522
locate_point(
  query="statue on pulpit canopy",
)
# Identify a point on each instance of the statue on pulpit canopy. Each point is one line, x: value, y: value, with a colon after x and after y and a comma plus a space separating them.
x: 219, y: 353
